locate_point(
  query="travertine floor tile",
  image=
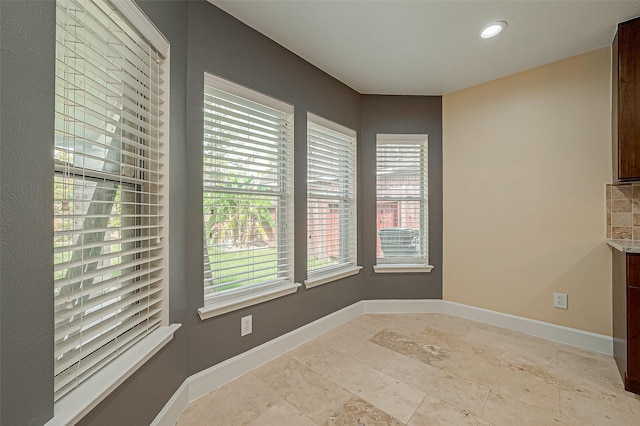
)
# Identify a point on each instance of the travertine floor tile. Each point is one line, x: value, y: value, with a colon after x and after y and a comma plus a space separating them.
x: 600, y: 370
x: 594, y: 377
x: 435, y: 412
x: 352, y: 343
x: 316, y: 355
x: 590, y: 388
x: 518, y: 344
x: 467, y: 355
x: 486, y: 366
x: 400, y: 323
x: 237, y: 403
x: 282, y: 414
x: 583, y: 352
x: 390, y: 395
x: 361, y: 413
x: 308, y: 391
x: 447, y: 324
x: 428, y: 354
x: 438, y: 338
x: 528, y: 365
x: 580, y: 410
x: 522, y: 384
x: 364, y: 325
x: 634, y: 402
x: 508, y: 411
x: 461, y: 393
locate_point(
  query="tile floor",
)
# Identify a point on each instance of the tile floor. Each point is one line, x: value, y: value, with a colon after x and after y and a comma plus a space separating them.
x: 423, y: 369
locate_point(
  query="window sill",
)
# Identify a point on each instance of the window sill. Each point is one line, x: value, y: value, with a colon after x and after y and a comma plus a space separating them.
x: 76, y: 404
x: 399, y: 269
x: 245, y: 300
x: 331, y: 276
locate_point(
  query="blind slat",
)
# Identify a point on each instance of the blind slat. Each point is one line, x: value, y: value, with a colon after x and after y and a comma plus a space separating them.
x: 239, y: 104
x: 61, y: 301
x: 66, y: 380
x: 149, y: 228
x: 120, y: 241
x: 211, y: 142
x: 104, y: 304
x: 225, y: 119
x: 63, y: 282
x: 96, y: 331
x: 70, y: 358
x: 226, y: 130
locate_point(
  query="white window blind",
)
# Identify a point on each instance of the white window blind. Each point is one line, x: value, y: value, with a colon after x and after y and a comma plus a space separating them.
x: 108, y: 207
x: 402, y: 202
x: 247, y: 191
x: 331, y: 197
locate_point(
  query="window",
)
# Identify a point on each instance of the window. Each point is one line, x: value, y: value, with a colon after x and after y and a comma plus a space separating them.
x: 247, y: 197
x: 110, y: 138
x: 331, y: 201
x: 402, y: 203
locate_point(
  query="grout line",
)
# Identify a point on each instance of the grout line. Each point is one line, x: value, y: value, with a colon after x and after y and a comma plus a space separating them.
x: 417, y: 408
x: 559, y: 402
x: 485, y: 404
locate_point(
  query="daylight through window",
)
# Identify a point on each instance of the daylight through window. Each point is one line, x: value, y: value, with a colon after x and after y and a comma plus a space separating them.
x: 247, y: 191
x: 402, y: 202
x: 331, y: 198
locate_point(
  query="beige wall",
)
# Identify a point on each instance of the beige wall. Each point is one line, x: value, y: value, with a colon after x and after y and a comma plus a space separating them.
x: 526, y: 159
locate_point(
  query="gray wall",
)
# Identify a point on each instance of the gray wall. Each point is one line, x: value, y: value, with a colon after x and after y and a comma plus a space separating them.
x: 203, y: 38
x: 27, y: 47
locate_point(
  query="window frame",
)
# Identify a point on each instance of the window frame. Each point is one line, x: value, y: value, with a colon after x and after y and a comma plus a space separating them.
x: 254, y: 294
x: 77, y: 402
x: 408, y: 264
x: 349, y: 238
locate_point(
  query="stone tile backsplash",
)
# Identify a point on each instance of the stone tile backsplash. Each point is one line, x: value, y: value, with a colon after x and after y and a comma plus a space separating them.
x: 623, y: 211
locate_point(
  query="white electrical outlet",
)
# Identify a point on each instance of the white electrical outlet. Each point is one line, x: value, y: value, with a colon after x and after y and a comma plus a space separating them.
x: 560, y: 300
x: 246, y: 326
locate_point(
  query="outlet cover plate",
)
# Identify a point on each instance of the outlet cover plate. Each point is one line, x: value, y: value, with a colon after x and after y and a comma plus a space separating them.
x: 560, y: 300
x: 246, y: 325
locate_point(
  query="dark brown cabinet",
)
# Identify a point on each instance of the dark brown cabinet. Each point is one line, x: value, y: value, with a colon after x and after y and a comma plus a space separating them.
x: 626, y: 102
x: 626, y: 317
x: 633, y: 339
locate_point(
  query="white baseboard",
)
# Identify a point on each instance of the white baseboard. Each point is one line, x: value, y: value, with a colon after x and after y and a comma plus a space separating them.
x: 174, y: 408
x: 433, y: 306
x: 212, y: 378
x: 557, y: 333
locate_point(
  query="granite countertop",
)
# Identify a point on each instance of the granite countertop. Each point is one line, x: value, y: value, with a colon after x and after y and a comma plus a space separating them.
x: 625, y: 246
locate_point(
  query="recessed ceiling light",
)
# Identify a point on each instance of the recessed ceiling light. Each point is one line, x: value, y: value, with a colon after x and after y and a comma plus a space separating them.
x: 493, y: 29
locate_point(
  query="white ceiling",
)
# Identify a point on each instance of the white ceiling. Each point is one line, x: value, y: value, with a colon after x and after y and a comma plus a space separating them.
x: 431, y: 47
